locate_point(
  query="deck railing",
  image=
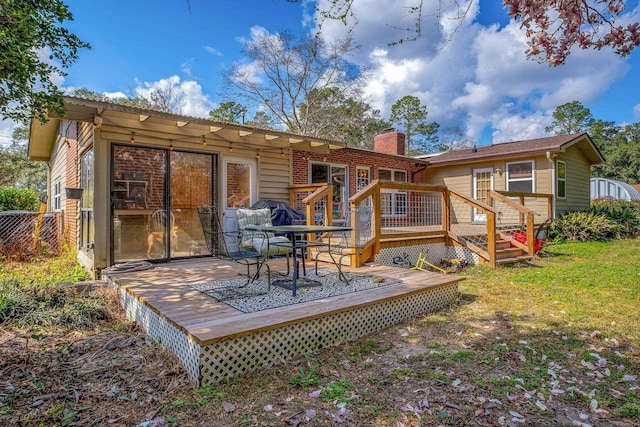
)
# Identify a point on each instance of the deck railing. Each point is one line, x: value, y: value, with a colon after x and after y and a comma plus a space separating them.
x: 403, y: 211
x: 473, y: 224
x: 314, y: 200
x: 518, y: 215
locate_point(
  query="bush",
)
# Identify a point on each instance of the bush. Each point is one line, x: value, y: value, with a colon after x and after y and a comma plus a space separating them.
x: 583, y: 227
x: 22, y: 199
x: 627, y: 214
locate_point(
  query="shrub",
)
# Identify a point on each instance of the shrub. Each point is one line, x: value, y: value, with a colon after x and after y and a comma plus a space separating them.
x: 36, y: 294
x: 583, y: 227
x: 622, y: 212
x: 23, y: 199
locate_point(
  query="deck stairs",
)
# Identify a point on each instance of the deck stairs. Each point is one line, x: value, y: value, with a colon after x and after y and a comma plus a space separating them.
x: 506, y: 253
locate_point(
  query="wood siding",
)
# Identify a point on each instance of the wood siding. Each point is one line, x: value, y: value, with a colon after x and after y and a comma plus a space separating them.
x: 459, y: 178
x: 274, y: 176
x: 578, y: 181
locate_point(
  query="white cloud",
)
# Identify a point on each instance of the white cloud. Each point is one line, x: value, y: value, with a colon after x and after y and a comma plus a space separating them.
x: 114, y: 95
x: 518, y: 127
x: 186, y: 66
x: 480, y: 78
x: 193, y: 102
x: 636, y: 111
x: 213, y: 51
x: 6, y: 132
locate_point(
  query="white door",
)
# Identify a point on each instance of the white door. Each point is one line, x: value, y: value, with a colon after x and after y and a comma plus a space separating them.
x: 239, y: 178
x: 482, y: 184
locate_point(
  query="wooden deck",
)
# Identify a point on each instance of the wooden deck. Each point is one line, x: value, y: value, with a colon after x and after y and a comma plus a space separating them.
x: 188, y: 321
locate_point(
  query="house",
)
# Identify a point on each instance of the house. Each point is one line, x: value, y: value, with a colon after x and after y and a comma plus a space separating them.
x: 142, y: 173
x: 558, y: 165
x: 128, y: 180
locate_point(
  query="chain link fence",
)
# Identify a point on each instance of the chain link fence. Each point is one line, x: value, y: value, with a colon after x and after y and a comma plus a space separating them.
x: 24, y: 234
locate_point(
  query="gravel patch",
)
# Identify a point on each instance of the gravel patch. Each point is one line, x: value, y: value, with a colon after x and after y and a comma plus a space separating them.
x: 255, y: 297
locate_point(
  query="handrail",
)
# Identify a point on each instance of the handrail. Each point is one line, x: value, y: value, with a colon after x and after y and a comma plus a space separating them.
x: 521, y: 196
x: 322, y: 191
x: 491, y: 224
x: 531, y: 244
x: 372, y: 190
x: 473, y: 202
x: 517, y: 206
x: 367, y: 191
x: 411, y: 186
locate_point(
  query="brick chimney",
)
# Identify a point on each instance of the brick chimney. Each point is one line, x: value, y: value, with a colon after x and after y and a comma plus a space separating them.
x: 390, y: 141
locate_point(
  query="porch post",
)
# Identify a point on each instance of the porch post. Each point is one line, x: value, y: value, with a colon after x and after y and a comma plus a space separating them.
x: 378, y: 215
x: 531, y: 244
x: 446, y: 216
x: 491, y: 238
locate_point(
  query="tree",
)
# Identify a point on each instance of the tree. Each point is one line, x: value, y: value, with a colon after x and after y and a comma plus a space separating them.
x: 166, y: 99
x: 35, y: 47
x: 229, y: 111
x: 330, y: 114
x: 284, y: 71
x: 16, y: 171
x: 155, y: 103
x: 420, y: 136
x: 620, y: 146
x: 570, y: 118
x: 552, y: 27
x: 262, y: 120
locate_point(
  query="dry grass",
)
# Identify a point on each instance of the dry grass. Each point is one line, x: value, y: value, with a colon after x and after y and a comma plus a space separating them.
x: 551, y: 344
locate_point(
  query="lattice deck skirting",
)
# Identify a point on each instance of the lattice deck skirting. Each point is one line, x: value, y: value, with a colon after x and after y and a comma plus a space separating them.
x: 240, y: 355
x: 211, y: 363
x: 164, y: 332
x: 407, y: 256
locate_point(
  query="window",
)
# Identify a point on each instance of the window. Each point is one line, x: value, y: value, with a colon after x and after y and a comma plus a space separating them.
x: 520, y: 177
x: 57, y: 186
x: 363, y: 178
x: 561, y: 180
x: 394, y: 202
x: 338, y: 176
x: 86, y: 205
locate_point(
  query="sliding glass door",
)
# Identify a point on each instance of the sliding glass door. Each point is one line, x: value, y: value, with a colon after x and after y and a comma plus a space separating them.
x: 191, y: 186
x: 154, y: 196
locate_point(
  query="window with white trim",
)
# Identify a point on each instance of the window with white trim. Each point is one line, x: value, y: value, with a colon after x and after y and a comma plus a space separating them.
x: 394, y: 202
x: 561, y: 179
x: 57, y: 187
x: 363, y: 177
x: 520, y: 177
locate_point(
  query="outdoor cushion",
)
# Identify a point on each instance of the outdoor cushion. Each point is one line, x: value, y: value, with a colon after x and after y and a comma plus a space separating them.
x: 277, y: 245
x: 248, y: 217
x: 265, y: 243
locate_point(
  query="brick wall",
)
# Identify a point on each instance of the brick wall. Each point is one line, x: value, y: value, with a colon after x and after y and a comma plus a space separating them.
x: 133, y: 163
x: 352, y: 158
x: 71, y: 219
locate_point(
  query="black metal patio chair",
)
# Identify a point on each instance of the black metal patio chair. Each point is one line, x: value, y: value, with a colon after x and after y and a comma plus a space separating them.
x: 343, y: 244
x: 216, y: 242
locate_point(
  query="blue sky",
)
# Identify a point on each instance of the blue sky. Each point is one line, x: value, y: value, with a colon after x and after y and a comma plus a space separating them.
x: 479, y: 83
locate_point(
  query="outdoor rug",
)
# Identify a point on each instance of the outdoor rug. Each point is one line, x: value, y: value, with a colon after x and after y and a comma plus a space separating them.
x: 254, y: 297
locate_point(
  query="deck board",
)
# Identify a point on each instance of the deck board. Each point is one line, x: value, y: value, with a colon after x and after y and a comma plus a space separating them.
x: 165, y: 289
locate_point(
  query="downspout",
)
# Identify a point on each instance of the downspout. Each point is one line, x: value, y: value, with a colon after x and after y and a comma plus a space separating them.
x: 553, y: 183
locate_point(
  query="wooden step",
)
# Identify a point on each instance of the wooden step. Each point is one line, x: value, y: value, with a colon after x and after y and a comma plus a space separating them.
x: 503, y: 244
x: 513, y: 260
x: 508, y: 253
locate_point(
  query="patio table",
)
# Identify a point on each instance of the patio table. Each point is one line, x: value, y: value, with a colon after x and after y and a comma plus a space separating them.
x: 298, y: 243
